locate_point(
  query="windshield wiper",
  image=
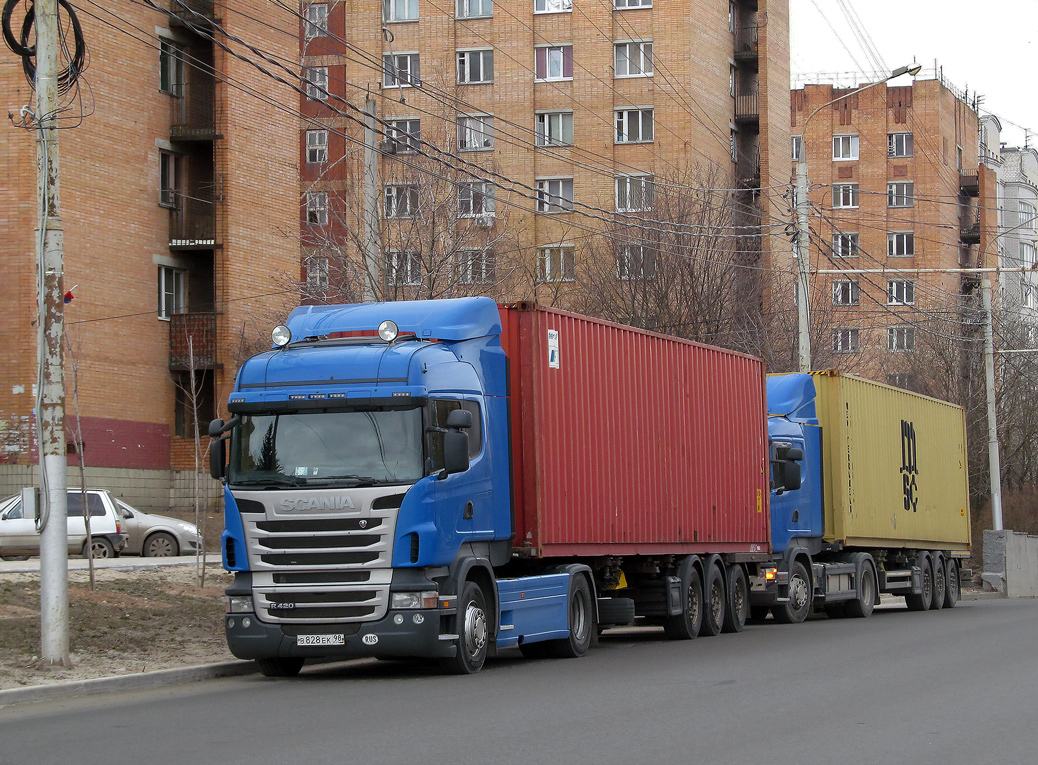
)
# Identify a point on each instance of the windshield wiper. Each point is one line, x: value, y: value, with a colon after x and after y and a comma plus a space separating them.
x: 356, y: 480
x: 280, y: 480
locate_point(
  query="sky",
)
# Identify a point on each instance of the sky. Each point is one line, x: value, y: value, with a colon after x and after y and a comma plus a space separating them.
x: 990, y: 48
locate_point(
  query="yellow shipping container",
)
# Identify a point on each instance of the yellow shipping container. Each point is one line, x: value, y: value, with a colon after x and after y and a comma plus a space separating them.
x: 895, y: 466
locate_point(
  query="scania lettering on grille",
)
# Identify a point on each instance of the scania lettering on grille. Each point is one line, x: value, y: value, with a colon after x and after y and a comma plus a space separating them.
x: 316, y: 503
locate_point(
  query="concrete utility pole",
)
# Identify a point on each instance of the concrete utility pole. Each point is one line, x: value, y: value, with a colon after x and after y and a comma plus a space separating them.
x: 50, y: 411
x: 994, y: 458
x: 370, y: 201
x: 803, y: 241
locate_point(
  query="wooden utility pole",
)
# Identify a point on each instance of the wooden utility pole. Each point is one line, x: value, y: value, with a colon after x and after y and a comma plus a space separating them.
x: 50, y: 408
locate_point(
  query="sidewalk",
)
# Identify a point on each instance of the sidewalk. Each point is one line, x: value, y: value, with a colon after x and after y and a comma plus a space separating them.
x: 125, y: 563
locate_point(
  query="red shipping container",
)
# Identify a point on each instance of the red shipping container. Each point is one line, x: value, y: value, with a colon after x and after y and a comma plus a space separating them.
x: 627, y: 442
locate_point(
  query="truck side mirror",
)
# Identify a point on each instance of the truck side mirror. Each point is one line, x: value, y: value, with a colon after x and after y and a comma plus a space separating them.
x: 793, y: 453
x: 456, y: 442
x: 791, y: 475
x: 215, y: 428
x: 217, y: 450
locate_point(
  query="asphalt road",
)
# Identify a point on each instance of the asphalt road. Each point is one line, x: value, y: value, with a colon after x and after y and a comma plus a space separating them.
x: 954, y: 687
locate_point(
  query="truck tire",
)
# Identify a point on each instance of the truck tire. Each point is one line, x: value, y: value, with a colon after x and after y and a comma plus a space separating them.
x: 940, y: 581
x: 614, y: 611
x: 280, y: 666
x: 473, y: 632
x: 951, y: 584
x: 737, y: 608
x: 581, y: 623
x: 714, y: 602
x: 798, y: 607
x: 686, y: 625
x: 861, y: 608
x: 921, y: 601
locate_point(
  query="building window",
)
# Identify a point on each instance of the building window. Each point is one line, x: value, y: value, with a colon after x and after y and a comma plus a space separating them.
x: 732, y: 17
x: 1027, y: 295
x: 316, y: 82
x: 634, y: 125
x: 400, y: 10
x: 403, y: 268
x: 317, y: 273
x: 171, y: 68
x: 167, y: 179
x: 900, y: 338
x: 316, y: 20
x: 555, y: 264
x: 622, y: 4
x: 845, y: 245
x: 172, y: 295
x: 900, y: 292
x: 553, y: 62
x: 1027, y: 255
x: 475, y: 133
x: 899, y: 144
x: 475, y: 67
x: 899, y: 194
x: 475, y: 9
x: 733, y: 145
x: 634, y: 193
x: 733, y: 78
x: 846, y: 340
x: 555, y: 195
x: 632, y: 59
x: 900, y: 244
x: 476, y: 267
x: 845, y: 195
x: 401, y: 200
x: 400, y: 70
x: 845, y: 292
x: 845, y: 147
x: 317, y: 208
x: 316, y: 146
x: 552, y: 6
x: 406, y: 135
x: 476, y: 200
x: 554, y: 129
x: 797, y: 142
x: 1025, y: 215
x: 635, y: 263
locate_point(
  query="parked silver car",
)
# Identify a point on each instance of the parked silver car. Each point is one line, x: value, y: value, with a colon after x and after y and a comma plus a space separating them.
x: 19, y: 537
x: 155, y: 536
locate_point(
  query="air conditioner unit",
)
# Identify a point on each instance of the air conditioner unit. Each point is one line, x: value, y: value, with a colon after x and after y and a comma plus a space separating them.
x: 484, y: 221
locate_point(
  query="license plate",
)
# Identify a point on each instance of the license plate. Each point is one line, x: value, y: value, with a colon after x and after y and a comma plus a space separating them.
x: 320, y: 640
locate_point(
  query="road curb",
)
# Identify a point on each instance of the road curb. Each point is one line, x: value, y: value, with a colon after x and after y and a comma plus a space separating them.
x: 138, y: 681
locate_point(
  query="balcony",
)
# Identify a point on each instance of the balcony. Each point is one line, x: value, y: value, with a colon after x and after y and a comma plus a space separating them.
x: 969, y: 183
x: 192, y: 334
x: 193, y: 11
x: 747, y: 108
x: 746, y: 45
x: 969, y: 233
x: 193, y: 110
x: 192, y: 224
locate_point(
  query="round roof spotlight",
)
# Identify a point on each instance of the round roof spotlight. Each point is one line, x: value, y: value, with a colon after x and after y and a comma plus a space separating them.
x: 388, y: 330
x: 281, y: 335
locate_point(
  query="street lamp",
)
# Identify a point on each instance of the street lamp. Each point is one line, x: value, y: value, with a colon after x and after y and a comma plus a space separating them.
x: 803, y: 249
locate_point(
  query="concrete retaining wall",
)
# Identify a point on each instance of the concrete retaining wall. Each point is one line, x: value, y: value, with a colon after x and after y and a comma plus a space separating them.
x: 1011, y: 563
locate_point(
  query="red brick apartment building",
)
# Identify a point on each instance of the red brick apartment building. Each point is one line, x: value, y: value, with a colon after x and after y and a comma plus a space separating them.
x: 178, y: 182
x: 895, y: 185
x: 511, y: 133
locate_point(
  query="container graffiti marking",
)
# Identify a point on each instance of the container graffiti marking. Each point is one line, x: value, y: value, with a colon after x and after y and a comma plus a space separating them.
x: 909, y: 465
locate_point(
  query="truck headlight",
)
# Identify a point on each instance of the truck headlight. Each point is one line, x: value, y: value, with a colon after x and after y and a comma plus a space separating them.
x: 424, y: 599
x: 238, y: 604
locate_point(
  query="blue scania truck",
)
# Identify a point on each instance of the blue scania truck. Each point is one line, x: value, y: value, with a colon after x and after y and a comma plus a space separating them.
x: 446, y: 478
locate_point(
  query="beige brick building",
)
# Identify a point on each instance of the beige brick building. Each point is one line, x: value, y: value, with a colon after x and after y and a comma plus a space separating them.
x: 895, y: 189
x: 178, y: 182
x: 512, y: 133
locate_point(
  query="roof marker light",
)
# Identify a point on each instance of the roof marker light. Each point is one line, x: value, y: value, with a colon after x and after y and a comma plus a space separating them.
x: 281, y: 335
x: 388, y: 330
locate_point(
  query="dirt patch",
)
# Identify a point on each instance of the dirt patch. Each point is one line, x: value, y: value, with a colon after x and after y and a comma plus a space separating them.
x: 133, y: 621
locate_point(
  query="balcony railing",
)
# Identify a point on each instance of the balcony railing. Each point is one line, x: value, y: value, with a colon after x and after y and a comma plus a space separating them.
x: 969, y: 232
x: 193, y: 110
x: 190, y: 10
x: 746, y: 43
x: 969, y: 182
x: 746, y: 107
x: 192, y: 224
x: 192, y: 335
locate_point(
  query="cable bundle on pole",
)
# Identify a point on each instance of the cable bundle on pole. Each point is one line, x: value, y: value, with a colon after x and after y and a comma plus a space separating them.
x: 21, y: 46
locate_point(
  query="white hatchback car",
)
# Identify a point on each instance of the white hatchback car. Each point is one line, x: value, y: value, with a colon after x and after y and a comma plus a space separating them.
x: 19, y: 537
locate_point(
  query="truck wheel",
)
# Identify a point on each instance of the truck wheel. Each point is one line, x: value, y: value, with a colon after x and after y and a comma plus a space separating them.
x: 614, y: 611
x: 581, y: 623
x: 951, y: 583
x: 280, y: 666
x: 686, y: 625
x: 102, y: 548
x: 473, y: 632
x: 714, y: 602
x: 798, y: 607
x: 861, y: 608
x: 921, y: 601
x: 940, y: 582
x: 737, y: 608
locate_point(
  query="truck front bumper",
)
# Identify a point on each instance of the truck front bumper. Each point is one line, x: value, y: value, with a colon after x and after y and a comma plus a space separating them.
x: 402, y: 633
x: 769, y: 591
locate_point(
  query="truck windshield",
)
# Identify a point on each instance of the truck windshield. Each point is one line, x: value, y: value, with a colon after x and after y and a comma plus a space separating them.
x: 328, y: 448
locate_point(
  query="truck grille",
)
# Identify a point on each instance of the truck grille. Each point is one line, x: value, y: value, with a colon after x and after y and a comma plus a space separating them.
x: 321, y: 567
